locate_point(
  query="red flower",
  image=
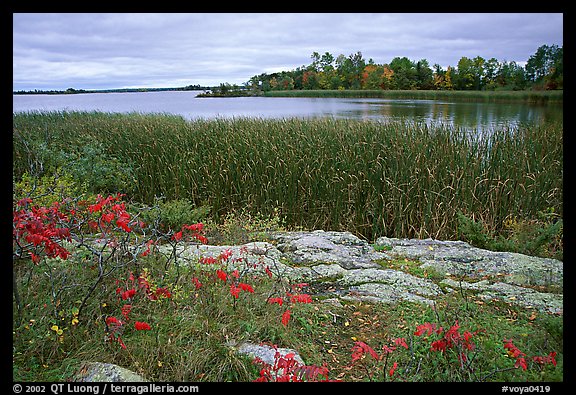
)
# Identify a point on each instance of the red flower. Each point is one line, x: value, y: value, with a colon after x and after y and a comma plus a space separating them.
x: 521, y: 362
x: 128, y: 294
x: 439, y: 345
x: 549, y: 359
x: 148, y: 244
x: 126, y: 311
x: 388, y: 349
x: 246, y: 287
x: 209, y: 260
x: 123, y: 221
x: 360, y: 348
x: 268, y: 271
x: 196, y: 282
x: 286, y: 317
x: 201, y: 239
x: 301, y: 298
x: 141, y: 326
x: 221, y: 274
x: 224, y: 255
x: 391, y: 372
x: 194, y: 227
x: 513, y: 351
x: 108, y: 217
x: 95, y: 207
x: 427, y: 328
x: 164, y: 292
x: 276, y: 300
x: 177, y: 236
x: 35, y: 258
x: 113, y: 321
x: 401, y: 342
x: 234, y: 290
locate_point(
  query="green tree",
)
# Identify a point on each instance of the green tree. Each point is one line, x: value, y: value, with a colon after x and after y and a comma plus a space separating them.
x: 404, y: 76
x: 470, y: 73
x: 424, y: 75
x: 511, y: 75
x: 315, y: 66
x: 555, y: 77
x: 310, y: 79
x: 491, y: 73
x: 327, y: 62
x: 537, y: 64
x: 518, y: 79
x: 464, y: 78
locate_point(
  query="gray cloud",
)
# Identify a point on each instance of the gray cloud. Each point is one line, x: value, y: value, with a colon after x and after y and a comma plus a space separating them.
x: 93, y: 51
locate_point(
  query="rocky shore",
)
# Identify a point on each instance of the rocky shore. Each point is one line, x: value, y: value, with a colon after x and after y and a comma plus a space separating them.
x: 340, y: 266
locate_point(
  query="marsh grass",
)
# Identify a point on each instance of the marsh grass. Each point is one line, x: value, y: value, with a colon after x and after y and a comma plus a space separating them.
x: 373, y: 178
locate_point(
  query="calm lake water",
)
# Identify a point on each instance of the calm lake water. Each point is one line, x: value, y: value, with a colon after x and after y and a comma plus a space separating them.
x: 469, y: 115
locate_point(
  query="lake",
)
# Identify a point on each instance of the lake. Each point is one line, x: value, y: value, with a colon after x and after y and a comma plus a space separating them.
x: 471, y: 115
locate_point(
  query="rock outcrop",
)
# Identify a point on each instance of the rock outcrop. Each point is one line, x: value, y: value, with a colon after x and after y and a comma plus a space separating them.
x: 340, y: 266
x: 105, y: 372
x: 357, y: 270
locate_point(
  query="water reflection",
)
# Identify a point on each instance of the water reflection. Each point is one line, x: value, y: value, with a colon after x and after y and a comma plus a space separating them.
x: 473, y: 115
x: 470, y: 115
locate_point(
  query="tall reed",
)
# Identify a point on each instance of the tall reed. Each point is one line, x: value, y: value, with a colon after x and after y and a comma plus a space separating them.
x: 374, y: 178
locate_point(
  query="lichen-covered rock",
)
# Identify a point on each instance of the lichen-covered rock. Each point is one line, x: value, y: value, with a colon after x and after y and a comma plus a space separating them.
x: 106, y: 372
x: 461, y: 259
x: 514, y: 294
x: 267, y: 353
x: 342, y: 248
x: 354, y: 269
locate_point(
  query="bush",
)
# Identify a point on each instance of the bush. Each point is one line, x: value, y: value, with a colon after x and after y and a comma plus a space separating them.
x: 101, y: 172
x: 541, y: 237
x: 49, y: 188
x: 172, y: 214
x: 242, y: 227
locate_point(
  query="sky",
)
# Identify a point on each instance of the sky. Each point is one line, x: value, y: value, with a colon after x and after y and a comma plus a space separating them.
x: 156, y: 50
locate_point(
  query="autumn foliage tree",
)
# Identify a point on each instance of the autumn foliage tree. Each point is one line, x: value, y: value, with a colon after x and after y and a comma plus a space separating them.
x: 544, y: 69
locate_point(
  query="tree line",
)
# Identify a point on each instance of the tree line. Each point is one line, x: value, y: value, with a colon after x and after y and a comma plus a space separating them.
x: 71, y: 91
x: 543, y: 71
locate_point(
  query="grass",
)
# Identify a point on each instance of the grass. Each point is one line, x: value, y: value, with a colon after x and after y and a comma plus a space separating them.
x: 399, y: 179
x: 194, y: 333
x: 481, y: 96
x: 374, y: 179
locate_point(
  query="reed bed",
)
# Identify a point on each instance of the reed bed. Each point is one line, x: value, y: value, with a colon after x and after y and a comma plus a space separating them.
x: 373, y: 178
x: 540, y: 97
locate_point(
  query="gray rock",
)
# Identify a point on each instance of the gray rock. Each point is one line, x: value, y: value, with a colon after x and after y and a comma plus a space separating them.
x: 461, y: 259
x: 267, y: 353
x: 105, y: 372
x: 342, y: 248
x: 351, y: 266
x: 514, y: 294
x: 383, y: 293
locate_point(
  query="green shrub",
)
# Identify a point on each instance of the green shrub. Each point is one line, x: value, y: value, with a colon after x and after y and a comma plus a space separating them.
x: 243, y: 227
x: 101, y: 172
x: 172, y: 214
x: 49, y: 188
x: 538, y: 237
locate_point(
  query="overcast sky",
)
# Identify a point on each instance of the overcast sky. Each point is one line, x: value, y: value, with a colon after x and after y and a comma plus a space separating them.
x: 100, y: 51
